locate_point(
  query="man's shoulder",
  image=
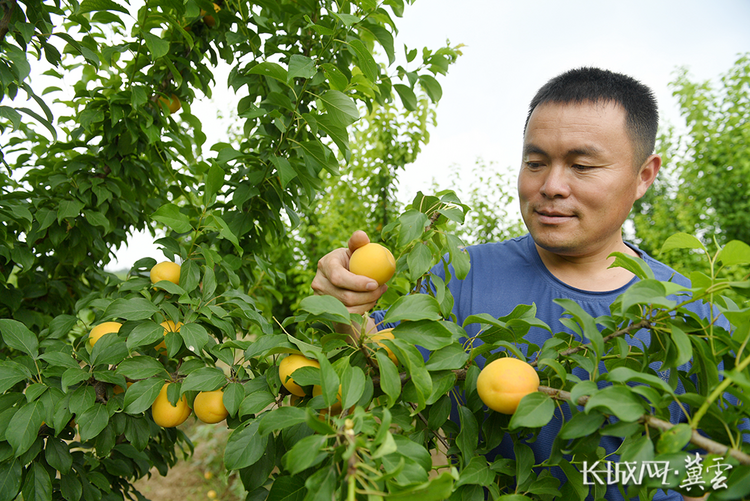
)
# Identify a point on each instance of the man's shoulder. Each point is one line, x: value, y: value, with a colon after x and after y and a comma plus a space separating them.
x: 517, y: 245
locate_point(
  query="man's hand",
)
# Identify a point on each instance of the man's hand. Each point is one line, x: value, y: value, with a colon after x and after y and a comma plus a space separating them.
x: 333, y: 278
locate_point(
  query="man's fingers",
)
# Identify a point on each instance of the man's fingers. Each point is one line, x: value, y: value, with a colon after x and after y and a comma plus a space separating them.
x: 357, y: 240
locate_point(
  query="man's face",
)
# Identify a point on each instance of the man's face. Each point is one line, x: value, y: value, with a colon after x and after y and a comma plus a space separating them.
x: 578, y: 181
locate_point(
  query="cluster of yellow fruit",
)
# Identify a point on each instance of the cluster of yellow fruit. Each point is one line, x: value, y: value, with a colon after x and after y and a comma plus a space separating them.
x: 208, y: 405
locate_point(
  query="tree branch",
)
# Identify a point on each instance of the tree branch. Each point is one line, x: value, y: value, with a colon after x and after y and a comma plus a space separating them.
x: 696, y: 439
x: 8, y: 8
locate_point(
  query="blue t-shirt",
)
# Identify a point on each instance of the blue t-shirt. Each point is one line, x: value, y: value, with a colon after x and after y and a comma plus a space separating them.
x: 506, y: 274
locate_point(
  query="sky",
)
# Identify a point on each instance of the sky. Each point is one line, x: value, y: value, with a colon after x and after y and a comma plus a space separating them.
x: 513, y: 47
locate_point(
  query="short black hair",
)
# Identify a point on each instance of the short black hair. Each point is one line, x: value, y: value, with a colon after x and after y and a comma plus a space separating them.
x: 596, y: 85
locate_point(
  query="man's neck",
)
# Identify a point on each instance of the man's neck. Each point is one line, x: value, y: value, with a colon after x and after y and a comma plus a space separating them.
x: 591, y: 271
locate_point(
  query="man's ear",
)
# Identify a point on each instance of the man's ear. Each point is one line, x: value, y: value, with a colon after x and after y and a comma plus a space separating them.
x: 647, y: 174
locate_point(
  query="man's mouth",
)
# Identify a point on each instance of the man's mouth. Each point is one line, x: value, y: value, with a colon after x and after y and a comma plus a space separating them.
x: 553, y: 216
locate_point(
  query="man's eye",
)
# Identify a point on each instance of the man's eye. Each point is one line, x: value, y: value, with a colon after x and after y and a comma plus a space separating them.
x: 533, y: 165
x: 582, y: 167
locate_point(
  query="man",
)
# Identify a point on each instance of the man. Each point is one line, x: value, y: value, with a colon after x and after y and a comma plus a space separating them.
x: 587, y: 157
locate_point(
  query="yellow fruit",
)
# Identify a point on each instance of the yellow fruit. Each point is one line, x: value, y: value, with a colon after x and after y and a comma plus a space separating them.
x: 209, y: 406
x: 166, y: 270
x: 169, y: 326
x: 208, y: 475
x: 504, y: 382
x: 102, y: 329
x: 380, y: 335
x: 211, y: 494
x: 288, y: 366
x: 172, y: 103
x: 167, y: 415
x: 209, y: 19
x: 336, y: 407
x: 118, y: 389
x: 373, y: 261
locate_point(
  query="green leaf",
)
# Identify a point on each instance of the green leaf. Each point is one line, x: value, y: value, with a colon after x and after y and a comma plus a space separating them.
x: 137, y: 308
x: 141, y: 394
x: 390, y: 381
x: 109, y: 349
x: 734, y: 252
x: 141, y: 367
x: 10, y: 479
x: 329, y: 380
x: 304, y: 454
x: 336, y: 78
x: 272, y: 70
x: 287, y: 488
x: 255, y: 403
x: 617, y: 400
x: 17, y: 336
x: 634, y: 265
x: 234, y: 393
x: 24, y: 427
x: 245, y: 447
x: 674, y: 439
x: 93, y: 421
x: 281, y: 418
x: 432, y: 87
x: 436, y: 489
x: 37, y: 485
x: 284, y: 168
x: 448, y: 358
x: 419, y: 260
x: 340, y: 107
x: 145, y: 333
x: 534, y: 411
x: 9, y: 376
x: 352, y: 386
x: 477, y: 472
x: 682, y: 241
x: 427, y: 334
x: 214, y: 182
x: 99, y: 5
x: 204, y: 379
x: 413, y: 223
x: 408, y: 98
x: 413, y: 307
x: 195, y: 336
x: 170, y: 215
x: 625, y: 374
x: 158, y: 47
x: 582, y: 425
x: 586, y: 321
x: 325, y: 307
x: 367, y: 64
x: 69, y: 209
x: 468, y: 438
x: 319, y: 155
x: 300, y: 67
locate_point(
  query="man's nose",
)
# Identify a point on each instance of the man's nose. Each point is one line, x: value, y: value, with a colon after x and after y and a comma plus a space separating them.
x: 556, y: 182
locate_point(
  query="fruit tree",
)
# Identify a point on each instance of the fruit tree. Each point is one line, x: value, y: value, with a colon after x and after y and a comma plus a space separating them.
x: 84, y: 412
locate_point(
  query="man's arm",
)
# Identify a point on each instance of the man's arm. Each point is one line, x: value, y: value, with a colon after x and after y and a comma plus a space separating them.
x: 358, y: 293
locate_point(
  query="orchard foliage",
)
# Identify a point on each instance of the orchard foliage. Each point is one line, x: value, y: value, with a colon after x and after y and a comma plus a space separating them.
x: 116, y: 159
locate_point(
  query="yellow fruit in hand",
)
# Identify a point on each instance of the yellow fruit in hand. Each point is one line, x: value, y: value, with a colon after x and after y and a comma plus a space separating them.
x: 288, y: 366
x: 209, y: 19
x: 504, y: 382
x: 167, y: 415
x: 373, y: 261
x: 166, y: 270
x: 102, y: 329
x: 173, y: 103
x: 169, y: 326
x: 209, y: 406
x: 380, y: 335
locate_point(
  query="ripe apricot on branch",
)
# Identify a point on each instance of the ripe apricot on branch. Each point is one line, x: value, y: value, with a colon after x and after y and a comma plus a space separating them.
x: 504, y: 382
x: 169, y: 326
x: 373, y: 261
x: 167, y: 415
x: 173, y: 104
x: 380, y: 335
x: 209, y: 19
x: 102, y: 329
x: 209, y: 406
x: 166, y: 270
x: 288, y: 366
